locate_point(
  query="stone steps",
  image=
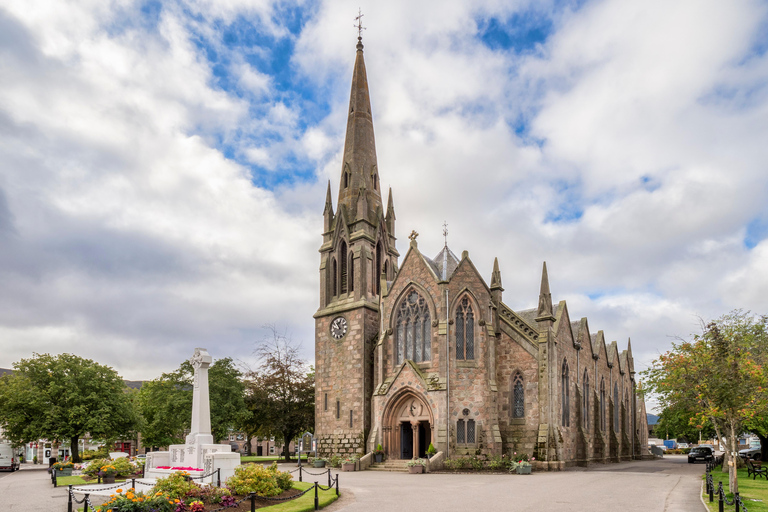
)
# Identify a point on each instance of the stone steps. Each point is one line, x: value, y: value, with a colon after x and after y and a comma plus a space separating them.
x: 389, y: 465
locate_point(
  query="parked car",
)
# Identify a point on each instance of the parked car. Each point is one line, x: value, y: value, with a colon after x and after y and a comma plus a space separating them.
x: 753, y: 452
x: 701, y: 452
x: 682, y: 445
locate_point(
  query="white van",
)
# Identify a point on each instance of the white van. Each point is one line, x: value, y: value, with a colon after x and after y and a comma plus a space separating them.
x: 9, y: 459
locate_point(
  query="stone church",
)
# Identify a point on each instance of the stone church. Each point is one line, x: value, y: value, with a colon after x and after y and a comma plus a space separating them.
x: 423, y: 350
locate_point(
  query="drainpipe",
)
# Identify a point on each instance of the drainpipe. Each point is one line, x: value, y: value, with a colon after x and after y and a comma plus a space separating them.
x: 447, y: 378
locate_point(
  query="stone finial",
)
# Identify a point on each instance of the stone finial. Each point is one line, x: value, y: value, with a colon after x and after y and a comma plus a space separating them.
x: 545, y: 311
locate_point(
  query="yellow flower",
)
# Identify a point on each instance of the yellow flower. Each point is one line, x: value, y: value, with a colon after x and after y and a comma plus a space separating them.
x: 119, y: 491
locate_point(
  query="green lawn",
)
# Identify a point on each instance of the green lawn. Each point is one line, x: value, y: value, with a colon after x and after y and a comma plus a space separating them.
x: 306, y: 502
x: 749, y: 490
x: 64, y: 481
x: 269, y: 458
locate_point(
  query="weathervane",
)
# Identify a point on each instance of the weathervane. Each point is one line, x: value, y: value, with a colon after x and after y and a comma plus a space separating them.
x: 359, y: 25
x: 445, y: 232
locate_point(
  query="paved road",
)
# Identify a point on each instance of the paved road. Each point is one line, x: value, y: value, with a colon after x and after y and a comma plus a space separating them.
x: 664, y: 485
x: 668, y: 485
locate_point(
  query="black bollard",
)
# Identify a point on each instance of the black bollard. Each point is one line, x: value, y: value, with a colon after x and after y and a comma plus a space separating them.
x: 721, y: 503
x: 85, y: 503
x: 317, y: 500
x: 55, y: 483
x: 711, y: 490
x: 329, y: 477
x: 133, y: 484
x: 300, y: 480
x: 337, y: 485
x: 99, y: 480
x: 69, y: 500
x: 253, y: 502
x: 736, y: 501
x: 218, y: 477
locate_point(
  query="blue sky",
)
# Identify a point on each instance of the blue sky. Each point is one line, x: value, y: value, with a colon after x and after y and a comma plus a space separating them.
x: 164, y: 164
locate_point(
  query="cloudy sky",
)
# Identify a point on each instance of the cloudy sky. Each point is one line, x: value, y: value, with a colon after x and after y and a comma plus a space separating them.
x: 163, y: 164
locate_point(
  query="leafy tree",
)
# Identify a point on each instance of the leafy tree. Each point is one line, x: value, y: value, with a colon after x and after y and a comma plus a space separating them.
x: 678, y: 423
x: 166, y: 403
x: 719, y: 374
x: 64, y: 397
x: 282, y: 389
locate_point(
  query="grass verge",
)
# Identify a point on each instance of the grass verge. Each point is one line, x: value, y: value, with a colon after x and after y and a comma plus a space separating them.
x: 273, y: 458
x: 754, y: 493
x: 306, y: 502
x: 64, y: 481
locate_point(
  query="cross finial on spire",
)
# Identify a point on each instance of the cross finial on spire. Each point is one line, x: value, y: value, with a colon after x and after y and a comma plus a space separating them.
x: 359, y: 26
x: 445, y: 232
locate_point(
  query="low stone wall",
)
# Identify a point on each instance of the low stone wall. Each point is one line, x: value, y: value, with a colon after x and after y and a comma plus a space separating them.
x: 436, y: 462
x: 365, y: 461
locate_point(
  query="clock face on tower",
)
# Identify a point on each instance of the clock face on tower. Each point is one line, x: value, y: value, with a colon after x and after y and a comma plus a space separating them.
x: 338, y: 327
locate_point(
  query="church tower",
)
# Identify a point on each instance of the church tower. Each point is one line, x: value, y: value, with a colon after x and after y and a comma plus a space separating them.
x: 357, y: 258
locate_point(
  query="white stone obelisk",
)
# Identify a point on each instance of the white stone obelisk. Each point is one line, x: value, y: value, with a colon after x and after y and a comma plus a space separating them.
x: 200, y: 433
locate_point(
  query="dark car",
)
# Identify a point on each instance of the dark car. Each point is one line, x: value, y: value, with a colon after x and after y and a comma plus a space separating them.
x: 704, y: 453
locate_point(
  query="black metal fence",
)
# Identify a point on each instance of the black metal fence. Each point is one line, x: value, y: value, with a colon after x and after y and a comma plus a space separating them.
x: 721, y: 497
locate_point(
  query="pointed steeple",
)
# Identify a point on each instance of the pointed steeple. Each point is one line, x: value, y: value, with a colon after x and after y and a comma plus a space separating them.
x: 496, y: 276
x: 328, y: 210
x: 545, y: 312
x: 359, y: 169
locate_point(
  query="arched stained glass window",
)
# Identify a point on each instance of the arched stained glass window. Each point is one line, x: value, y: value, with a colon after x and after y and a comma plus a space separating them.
x: 518, y: 396
x: 465, y: 330
x: 413, y: 336
x: 566, y: 395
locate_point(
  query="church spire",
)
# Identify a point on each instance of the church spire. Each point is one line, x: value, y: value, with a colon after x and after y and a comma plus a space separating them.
x: 545, y: 312
x: 359, y: 169
x: 496, y: 276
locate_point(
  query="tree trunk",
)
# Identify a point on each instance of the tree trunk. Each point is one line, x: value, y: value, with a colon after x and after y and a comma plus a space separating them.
x: 287, y: 436
x: 763, y: 446
x: 726, y: 456
x: 733, y: 447
x: 247, y: 444
x: 74, y: 448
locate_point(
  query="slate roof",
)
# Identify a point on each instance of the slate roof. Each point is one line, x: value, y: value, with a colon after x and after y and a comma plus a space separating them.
x: 444, y: 264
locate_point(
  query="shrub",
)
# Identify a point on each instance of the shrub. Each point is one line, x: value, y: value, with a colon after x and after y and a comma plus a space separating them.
x: 334, y: 461
x: 476, y: 463
x: 124, y: 466
x: 255, y: 478
x: 452, y: 463
x: 284, y: 479
x: 174, y: 486
x: 431, y: 450
x: 95, y: 465
x: 208, y: 494
x: 497, y: 463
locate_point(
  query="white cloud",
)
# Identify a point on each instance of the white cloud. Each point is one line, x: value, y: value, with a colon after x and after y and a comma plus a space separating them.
x: 124, y: 225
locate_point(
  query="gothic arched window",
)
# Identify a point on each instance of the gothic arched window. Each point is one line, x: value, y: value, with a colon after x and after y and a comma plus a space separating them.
x: 566, y: 395
x: 465, y: 330
x: 412, y: 333
x: 377, y: 271
x: 334, y: 278
x: 351, y: 272
x: 615, y: 408
x: 518, y: 396
x: 602, y: 404
x: 343, y: 259
x: 585, y: 400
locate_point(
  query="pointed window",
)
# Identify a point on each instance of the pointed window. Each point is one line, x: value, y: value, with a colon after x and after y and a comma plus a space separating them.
x: 566, y: 419
x: 346, y: 179
x: 413, y: 337
x: 343, y: 259
x: 465, y: 330
x: 461, y: 432
x: 615, y: 408
x: 585, y: 400
x: 470, y: 431
x: 602, y: 405
x: 351, y: 278
x: 518, y: 396
x: 377, y: 269
x: 334, y: 279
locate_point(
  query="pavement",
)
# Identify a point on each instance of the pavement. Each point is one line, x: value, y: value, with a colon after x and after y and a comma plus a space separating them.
x: 665, y: 485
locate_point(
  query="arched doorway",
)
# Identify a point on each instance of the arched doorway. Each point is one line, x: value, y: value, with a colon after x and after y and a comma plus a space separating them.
x: 407, y: 426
